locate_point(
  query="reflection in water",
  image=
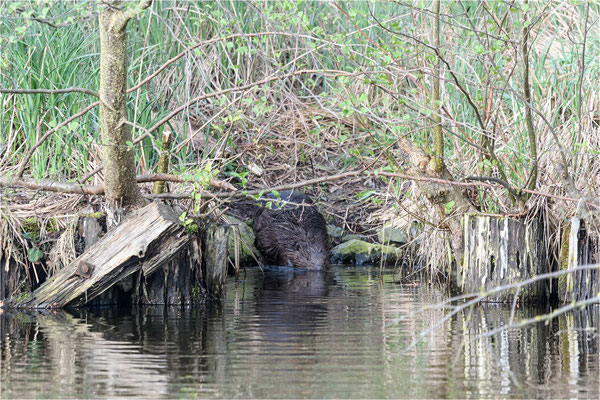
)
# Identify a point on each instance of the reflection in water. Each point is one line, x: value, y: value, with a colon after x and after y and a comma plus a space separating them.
x: 293, y: 333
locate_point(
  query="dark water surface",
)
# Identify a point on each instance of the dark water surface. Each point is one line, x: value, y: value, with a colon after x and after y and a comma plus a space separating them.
x: 284, y: 333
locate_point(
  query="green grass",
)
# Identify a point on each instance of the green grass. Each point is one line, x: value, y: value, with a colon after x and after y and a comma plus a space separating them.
x: 481, y: 54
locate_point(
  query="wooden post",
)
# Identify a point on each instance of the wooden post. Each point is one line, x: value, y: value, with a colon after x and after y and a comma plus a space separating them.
x: 10, y: 276
x: 90, y: 229
x: 163, y: 162
x: 214, y: 258
x: 502, y: 251
x: 578, y: 248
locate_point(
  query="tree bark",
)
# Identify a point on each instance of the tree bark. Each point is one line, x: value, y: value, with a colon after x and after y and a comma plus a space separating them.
x: 163, y: 162
x: 147, y: 240
x: 438, y: 135
x: 120, y: 184
x: 533, y: 168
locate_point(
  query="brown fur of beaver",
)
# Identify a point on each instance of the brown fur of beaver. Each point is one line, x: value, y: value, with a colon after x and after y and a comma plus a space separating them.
x: 293, y: 235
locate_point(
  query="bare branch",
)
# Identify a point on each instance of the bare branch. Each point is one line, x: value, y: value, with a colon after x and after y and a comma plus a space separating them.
x: 480, y: 297
x: 220, y: 93
x: 492, y: 179
x: 488, y: 146
x: 543, y: 317
x: 132, y: 13
x: 50, y: 91
x: 49, y: 185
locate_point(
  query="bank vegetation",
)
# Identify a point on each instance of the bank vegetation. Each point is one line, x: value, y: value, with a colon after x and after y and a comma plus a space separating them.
x: 411, y: 115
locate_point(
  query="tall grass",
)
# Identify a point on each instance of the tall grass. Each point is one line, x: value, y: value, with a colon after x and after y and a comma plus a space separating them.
x: 339, y: 122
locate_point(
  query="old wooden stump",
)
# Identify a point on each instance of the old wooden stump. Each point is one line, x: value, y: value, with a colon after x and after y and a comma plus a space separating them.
x: 214, y: 257
x: 149, y: 255
x: 10, y: 276
x: 578, y: 248
x: 502, y: 251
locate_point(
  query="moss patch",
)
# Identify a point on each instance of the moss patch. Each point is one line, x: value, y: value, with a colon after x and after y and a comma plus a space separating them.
x: 244, y: 235
x: 192, y: 228
x: 564, y: 257
x: 22, y: 298
x: 32, y: 226
x: 98, y: 214
x: 360, y: 252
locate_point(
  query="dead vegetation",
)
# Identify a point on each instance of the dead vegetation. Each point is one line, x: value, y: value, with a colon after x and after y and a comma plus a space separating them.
x: 272, y: 107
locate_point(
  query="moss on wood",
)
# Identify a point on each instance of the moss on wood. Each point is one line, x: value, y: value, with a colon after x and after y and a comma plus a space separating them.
x: 360, y: 252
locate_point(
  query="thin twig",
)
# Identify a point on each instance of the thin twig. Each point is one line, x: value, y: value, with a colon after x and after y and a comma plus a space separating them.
x: 544, y: 317
x: 479, y: 297
x: 223, y: 92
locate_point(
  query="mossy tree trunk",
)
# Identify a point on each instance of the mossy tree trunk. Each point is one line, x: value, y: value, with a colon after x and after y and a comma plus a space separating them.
x: 438, y: 135
x: 120, y: 183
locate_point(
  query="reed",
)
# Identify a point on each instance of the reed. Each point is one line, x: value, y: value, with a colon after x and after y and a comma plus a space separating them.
x: 315, y: 122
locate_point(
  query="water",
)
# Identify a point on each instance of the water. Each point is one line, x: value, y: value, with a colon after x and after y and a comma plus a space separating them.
x: 299, y: 334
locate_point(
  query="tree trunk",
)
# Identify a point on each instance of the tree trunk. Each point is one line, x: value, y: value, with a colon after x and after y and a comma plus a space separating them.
x: 438, y: 135
x: 147, y: 240
x: 448, y: 201
x: 578, y: 248
x: 120, y: 184
x: 533, y: 168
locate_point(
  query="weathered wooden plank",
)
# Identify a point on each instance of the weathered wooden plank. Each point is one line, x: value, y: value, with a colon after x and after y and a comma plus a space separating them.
x: 502, y: 251
x: 117, y: 255
x: 167, y: 276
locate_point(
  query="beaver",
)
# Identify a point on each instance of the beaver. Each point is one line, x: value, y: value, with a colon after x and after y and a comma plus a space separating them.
x: 292, y: 232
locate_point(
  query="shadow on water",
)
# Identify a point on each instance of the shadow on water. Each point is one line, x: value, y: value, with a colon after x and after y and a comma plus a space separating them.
x: 294, y: 333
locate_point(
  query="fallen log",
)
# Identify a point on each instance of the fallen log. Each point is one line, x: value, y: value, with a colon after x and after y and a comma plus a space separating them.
x: 146, y: 239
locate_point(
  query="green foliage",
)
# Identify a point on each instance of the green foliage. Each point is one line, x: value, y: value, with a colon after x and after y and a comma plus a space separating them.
x: 52, y: 58
x: 449, y: 207
x: 192, y: 229
x: 376, y: 90
x: 201, y: 178
x: 188, y: 223
x: 197, y: 292
x: 34, y: 254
